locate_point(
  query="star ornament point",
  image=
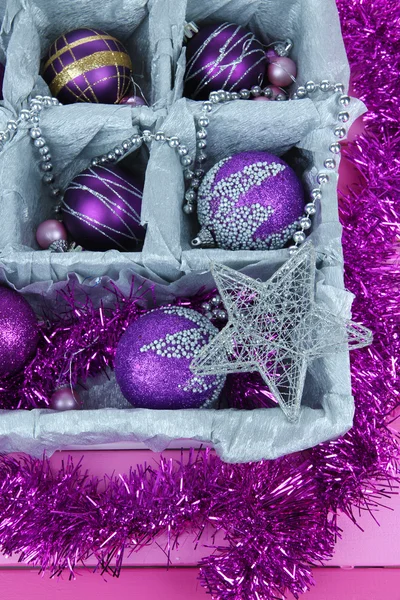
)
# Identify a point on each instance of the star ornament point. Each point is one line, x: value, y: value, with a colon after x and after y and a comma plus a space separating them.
x: 276, y: 328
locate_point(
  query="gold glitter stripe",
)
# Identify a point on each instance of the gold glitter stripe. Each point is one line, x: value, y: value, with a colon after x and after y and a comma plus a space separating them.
x: 88, y: 63
x: 68, y: 47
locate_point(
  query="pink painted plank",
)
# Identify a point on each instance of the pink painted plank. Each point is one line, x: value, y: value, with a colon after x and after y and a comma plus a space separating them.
x: 182, y: 584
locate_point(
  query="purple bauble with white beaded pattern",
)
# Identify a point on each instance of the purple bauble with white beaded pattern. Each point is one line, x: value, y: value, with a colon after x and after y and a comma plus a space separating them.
x: 250, y: 201
x: 87, y: 65
x: 223, y: 57
x: 101, y: 209
x: 152, y: 362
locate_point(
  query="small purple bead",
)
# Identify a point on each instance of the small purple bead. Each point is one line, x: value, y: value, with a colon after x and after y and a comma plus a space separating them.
x: 2, y: 69
x: 19, y: 334
x: 65, y: 399
x: 133, y: 101
x: 50, y: 231
x: 282, y: 71
x: 223, y: 57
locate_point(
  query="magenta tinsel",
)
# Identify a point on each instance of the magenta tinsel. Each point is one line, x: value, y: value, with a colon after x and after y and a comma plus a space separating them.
x: 77, y: 341
x: 278, y: 517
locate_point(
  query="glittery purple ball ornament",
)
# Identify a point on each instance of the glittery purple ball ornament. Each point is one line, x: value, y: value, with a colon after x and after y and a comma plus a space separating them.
x: 19, y: 334
x: 152, y: 363
x: 249, y: 201
x: 87, y: 65
x: 223, y: 57
x: 2, y: 69
x: 101, y: 209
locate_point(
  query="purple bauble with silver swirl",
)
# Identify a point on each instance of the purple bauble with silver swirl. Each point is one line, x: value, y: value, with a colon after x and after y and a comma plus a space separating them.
x: 152, y: 363
x: 87, y: 65
x: 223, y: 57
x: 19, y: 333
x: 2, y: 69
x: 101, y: 209
x: 250, y: 201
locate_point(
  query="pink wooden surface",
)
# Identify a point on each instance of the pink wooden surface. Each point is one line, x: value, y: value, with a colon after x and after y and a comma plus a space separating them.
x: 182, y: 584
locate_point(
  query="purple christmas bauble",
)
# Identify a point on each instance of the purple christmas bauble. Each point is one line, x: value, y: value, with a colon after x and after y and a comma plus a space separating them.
x: 250, y: 201
x: 19, y: 334
x: 2, y: 69
x: 223, y: 57
x: 152, y: 363
x: 101, y: 209
x: 87, y: 65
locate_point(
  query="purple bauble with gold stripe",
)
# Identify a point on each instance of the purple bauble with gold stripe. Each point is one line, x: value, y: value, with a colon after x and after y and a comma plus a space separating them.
x: 87, y: 65
x: 152, y: 362
x: 101, y: 209
x: 223, y: 57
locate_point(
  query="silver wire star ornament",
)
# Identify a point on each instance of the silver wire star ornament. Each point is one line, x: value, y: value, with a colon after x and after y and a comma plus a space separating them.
x: 277, y: 329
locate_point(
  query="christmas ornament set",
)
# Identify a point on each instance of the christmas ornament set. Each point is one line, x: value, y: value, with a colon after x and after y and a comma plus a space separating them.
x: 92, y: 66
x: 249, y: 201
x: 248, y: 314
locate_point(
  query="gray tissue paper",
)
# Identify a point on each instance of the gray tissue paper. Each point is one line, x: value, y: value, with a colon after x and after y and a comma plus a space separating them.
x: 152, y: 32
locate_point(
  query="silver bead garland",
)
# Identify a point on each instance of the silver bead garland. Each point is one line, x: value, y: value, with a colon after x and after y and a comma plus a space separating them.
x: 322, y: 177
x: 192, y: 166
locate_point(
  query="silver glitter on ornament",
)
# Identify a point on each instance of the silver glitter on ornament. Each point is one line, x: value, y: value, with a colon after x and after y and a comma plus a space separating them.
x: 277, y: 329
x: 249, y: 201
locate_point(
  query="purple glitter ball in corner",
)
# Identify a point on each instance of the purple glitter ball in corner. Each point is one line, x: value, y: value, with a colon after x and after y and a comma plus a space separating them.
x: 101, y: 209
x: 19, y: 333
x: 152, y: 363
x: 223, y: 57
x: 2, y: 69
x: 250, y: 201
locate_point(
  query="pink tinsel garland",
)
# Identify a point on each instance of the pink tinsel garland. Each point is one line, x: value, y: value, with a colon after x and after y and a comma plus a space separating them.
x: 56, y: 520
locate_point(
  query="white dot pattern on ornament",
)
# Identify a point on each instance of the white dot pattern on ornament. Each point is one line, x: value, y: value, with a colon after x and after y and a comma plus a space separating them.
x: 219, y: 65
x: 110, y: 204
x: 186, y: 344
x: 238, y: 231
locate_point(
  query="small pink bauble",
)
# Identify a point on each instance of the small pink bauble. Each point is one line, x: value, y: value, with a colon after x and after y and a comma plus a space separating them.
x: 282, y: 71
x: 50, y: 231
x: 65, y: 399
x: 262, y: 99
x: 133, y: 101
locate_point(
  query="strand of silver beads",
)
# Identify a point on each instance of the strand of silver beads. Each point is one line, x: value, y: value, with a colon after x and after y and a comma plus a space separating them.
x: 30, y: 119
x: 322, y: 178
x: 192, y: 166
